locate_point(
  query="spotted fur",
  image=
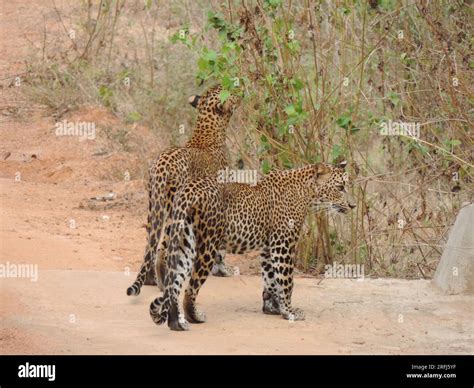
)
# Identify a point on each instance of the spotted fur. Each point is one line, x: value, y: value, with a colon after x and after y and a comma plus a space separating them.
x: 203, y: 155
x: 210, y: 217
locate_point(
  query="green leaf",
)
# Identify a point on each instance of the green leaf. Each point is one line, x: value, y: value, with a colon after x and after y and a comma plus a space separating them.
x: 290, y: 110
x: 266, y: 166
x: 453, y: 143
x: 216, y: 20
x: 203, y: 65
x: 105, y: 94
x: 297, y: 83
x: 344, y: 121
x: 294, y: 46
x: 387, y: 5
x: 345, y: 11
x: 227, y: 82
x: 273, y: 3
x: 394, y: 98
x: 103, y: 90
x: 419, y: 147
x: 224, y: 95
x: 269, y: 79
x: 210, y: 56
x: 134, y: 117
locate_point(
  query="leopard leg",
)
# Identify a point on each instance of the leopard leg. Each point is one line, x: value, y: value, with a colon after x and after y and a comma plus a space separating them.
x: 201, y: 269
x: 270, y: 299
x: 157, y: 213
x: 148, y: 262
x: 176, y: 320
x: 220, y: 268
x: 179, y: 263
x: 160, y: 261
x: 148, y: 265
x: 198, y: 277
x: 155, y: 276
x: 283, y: 264
x: 150, y: 275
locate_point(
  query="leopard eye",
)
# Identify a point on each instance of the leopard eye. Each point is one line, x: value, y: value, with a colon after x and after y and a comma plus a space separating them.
x: 340, y: 187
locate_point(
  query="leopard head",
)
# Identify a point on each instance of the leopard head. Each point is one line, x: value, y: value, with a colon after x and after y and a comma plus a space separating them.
x: 331, y: 191
x: 210, y: 103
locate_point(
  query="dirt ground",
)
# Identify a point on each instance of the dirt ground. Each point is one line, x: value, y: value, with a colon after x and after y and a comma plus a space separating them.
x: 78, y: 304
x: 87, y: 312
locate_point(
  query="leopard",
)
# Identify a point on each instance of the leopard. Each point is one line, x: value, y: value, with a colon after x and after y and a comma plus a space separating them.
x: 204, y: 154
x: 212, y: 218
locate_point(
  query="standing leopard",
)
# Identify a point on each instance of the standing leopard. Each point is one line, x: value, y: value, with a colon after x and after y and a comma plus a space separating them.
x: 203, y: 155
x: 211, y: 218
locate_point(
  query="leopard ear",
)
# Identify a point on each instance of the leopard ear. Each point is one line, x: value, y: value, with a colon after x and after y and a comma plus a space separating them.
x: 322, y: 172
x: 194, y: 100
x: 320, y: 169
x: 342, y: 164
x: 227, y: 106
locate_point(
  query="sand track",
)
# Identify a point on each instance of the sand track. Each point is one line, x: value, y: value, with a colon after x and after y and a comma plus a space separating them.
x: 87, y: 312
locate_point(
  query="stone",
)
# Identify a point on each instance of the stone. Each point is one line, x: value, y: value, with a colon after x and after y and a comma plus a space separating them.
x: 455, y: 271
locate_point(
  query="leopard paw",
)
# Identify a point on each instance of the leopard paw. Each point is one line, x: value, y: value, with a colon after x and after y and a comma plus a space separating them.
x: 270, y: 304
x: 295, y: 314
x: 195, y: 316
x: 222, y: 270
x: 158, y: 312
x: 180, y: 324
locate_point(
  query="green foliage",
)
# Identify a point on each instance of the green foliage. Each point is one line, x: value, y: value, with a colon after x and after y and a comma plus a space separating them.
x: 394, y: 98
x: 105, y: 95
x: 266, y: 166
x: 219, y: 65
x: 304, y: 113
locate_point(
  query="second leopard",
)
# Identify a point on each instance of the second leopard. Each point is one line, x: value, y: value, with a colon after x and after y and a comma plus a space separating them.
x: 210, y: 218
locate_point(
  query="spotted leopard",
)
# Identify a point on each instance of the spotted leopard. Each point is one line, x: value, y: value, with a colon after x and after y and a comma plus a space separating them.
x: 203, y: 155
x: 211, y: 218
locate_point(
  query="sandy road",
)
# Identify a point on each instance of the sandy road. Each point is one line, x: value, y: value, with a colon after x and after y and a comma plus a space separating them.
x: 87, y: 312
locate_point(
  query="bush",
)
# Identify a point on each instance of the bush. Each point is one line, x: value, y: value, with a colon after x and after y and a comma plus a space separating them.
x: 322, y: 82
